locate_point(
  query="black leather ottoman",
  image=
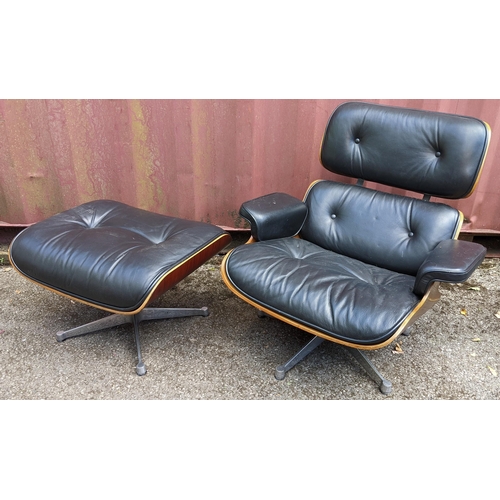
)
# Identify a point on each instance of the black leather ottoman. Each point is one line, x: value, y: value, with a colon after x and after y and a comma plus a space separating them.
x: 117, y: 258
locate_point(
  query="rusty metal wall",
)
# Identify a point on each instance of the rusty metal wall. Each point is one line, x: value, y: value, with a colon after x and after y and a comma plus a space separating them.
x: 198, y: 159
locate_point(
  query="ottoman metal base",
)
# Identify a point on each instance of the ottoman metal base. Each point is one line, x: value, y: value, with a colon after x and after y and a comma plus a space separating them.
x: 120, y: 319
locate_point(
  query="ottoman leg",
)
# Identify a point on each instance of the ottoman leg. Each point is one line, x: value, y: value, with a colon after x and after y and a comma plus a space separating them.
x: 95, y: 326
x: 160, y: 313
x: 166, y: 312
x: 141, y: 367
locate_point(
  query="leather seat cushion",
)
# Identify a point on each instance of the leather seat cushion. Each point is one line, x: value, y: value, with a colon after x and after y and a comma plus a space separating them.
x: 337, y: 295
x: 108, y: 253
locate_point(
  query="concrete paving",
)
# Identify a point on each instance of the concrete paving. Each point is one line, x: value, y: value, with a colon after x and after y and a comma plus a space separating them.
x: 452, y: 353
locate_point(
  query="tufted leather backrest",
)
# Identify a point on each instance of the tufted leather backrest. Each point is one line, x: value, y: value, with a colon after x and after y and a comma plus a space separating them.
x: 390, y: 231
x: 427, y: 152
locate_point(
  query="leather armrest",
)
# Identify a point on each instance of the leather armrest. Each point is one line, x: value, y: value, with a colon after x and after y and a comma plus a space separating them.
x: 452, y: 261
x: 273, y: 216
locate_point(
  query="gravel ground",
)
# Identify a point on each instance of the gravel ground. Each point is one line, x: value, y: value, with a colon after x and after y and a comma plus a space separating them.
x: 453, y: 351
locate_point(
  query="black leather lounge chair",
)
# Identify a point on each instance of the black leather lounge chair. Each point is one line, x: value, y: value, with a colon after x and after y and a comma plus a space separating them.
x: 355, y: 265
x: 115, y: 257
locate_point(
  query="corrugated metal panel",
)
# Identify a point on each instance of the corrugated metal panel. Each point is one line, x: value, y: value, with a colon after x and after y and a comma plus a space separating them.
x: 198, y: 159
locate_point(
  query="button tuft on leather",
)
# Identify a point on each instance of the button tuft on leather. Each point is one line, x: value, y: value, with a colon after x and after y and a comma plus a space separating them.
x: 357, y: 140
x: 333, y: 216
x: 410, y: 234
x: 438, y: 154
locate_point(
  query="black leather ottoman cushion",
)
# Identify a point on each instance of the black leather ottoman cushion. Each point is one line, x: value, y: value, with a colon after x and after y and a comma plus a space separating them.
x: 332, y: 293
x: 107, y: 253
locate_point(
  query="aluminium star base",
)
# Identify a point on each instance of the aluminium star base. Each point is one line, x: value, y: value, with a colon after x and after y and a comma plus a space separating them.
x: 119, y: 319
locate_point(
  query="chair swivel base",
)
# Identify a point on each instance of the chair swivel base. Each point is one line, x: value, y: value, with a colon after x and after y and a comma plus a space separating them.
x: 384, y: 385
x: 119, y: 319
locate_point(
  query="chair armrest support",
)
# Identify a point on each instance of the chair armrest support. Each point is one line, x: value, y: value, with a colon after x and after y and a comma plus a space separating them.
x: 452, y: 261
x: 276, y: 215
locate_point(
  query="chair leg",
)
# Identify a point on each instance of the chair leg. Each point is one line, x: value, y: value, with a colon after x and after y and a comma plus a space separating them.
x: 384, y: 385
x: 307, y: 349
x: 407, y: 332
x: 146, y: 314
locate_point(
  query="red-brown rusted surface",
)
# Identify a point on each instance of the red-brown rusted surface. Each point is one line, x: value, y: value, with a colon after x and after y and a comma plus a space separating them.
x: 198, y: 159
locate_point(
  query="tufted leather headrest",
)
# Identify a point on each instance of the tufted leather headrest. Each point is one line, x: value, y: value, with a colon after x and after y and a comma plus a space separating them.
x: 426, y: 152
